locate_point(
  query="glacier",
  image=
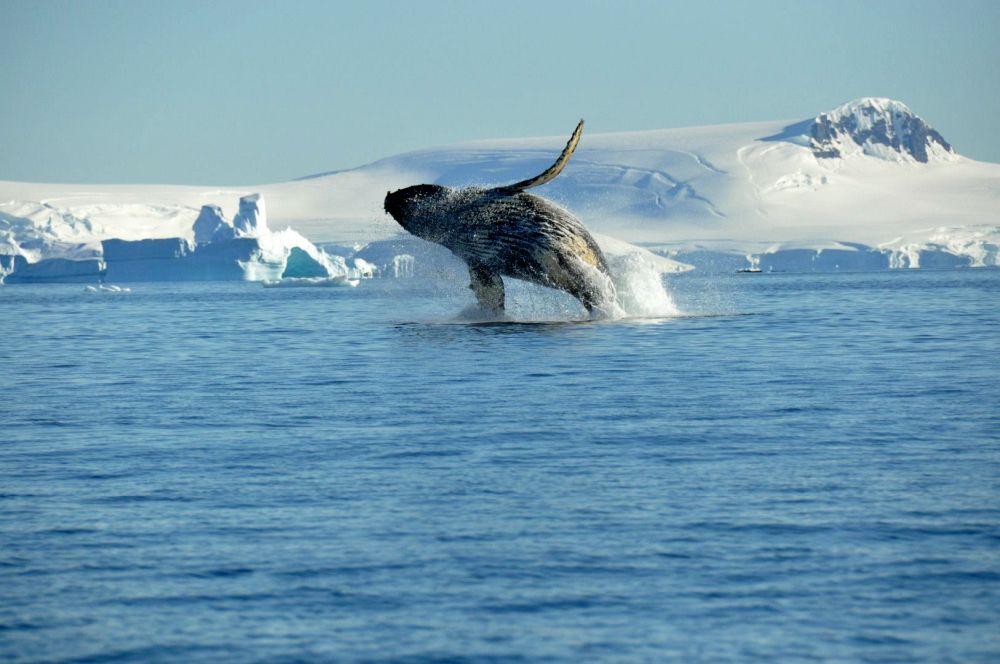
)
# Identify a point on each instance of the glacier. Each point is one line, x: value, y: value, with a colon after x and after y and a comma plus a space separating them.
x: 868, y: 185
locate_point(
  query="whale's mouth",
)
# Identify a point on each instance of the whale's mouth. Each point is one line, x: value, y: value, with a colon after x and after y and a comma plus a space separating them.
x: 404, y: 204
x: 396, y: 206
x: 392, y: 204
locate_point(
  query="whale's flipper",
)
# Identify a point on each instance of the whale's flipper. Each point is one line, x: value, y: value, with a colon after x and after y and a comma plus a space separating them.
x: 488, y: 287
x: 553, y: 170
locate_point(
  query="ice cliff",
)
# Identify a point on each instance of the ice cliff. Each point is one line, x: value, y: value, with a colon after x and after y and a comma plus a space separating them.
x: 251, y: 220
x: 39, y: 248
x: 212, y: 226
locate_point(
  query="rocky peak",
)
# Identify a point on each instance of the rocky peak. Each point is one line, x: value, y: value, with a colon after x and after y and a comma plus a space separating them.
x: 877, y: 127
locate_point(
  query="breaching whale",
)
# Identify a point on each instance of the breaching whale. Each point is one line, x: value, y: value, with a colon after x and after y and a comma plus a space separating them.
x: 506, y: 232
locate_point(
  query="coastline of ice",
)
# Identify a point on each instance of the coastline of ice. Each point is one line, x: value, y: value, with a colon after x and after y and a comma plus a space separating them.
x: 867, y: 186
x: 934, y: 248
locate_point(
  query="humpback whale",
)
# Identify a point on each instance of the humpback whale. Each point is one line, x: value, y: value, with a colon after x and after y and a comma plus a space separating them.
x: 507, y: 232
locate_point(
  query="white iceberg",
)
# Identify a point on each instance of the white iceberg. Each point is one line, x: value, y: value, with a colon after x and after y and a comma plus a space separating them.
x: 209, y: 250
x: 312, y: 282
x: 211, y: 226
x: 251, y: 220
x: 58, y: 270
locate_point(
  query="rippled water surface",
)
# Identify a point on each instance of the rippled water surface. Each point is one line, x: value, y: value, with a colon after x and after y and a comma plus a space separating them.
x: 220, y: 472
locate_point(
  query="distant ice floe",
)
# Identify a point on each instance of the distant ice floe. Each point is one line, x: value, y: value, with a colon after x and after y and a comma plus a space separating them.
x: 104, y: 288
x: 312, y: 282
x: 935, y: 248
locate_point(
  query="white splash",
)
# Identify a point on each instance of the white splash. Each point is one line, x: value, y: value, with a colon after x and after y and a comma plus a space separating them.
x: 640, y: 287
x: 103, y: 288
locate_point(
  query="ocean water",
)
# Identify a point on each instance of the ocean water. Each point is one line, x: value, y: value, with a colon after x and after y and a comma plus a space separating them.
x: 799, y: 468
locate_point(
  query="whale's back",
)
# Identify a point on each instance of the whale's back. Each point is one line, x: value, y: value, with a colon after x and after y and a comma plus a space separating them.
x: 520, y: 233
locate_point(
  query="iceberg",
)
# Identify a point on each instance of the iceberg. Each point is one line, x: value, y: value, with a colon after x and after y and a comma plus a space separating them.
x: 211, y: 226
x: 252, y: 217
x: 211, y: 249
x: 309, y: 260
x: 126, y: 250
x: 312, y: 282
x: 303, y: 266
x: 9, y: 263
x: 270, y: 257
x: 173, y: 259
x: 58, y: 270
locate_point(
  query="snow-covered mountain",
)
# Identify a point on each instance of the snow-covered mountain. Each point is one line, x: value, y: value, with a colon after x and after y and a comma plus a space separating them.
x: 882, y: 128
x: 864, y: 186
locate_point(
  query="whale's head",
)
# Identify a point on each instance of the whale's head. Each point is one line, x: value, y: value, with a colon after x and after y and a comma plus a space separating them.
x: 419, y: 209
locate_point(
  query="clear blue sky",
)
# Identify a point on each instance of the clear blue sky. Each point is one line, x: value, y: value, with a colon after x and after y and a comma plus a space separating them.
x: 253, y: 92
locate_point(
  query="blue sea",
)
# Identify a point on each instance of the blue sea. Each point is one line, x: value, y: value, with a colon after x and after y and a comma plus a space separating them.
x: 798, y: 468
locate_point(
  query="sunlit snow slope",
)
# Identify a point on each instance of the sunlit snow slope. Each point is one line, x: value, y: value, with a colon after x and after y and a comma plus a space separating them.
x: 867, y: 185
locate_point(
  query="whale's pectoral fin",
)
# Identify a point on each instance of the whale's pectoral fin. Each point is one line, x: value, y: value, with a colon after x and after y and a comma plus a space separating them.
x: 488, y: 287
x: 553, y: 170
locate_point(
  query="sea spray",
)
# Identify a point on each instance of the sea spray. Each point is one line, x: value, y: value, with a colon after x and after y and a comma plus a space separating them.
x: 437, y: 285
x: 640, y: 288
x: 637, y: 284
